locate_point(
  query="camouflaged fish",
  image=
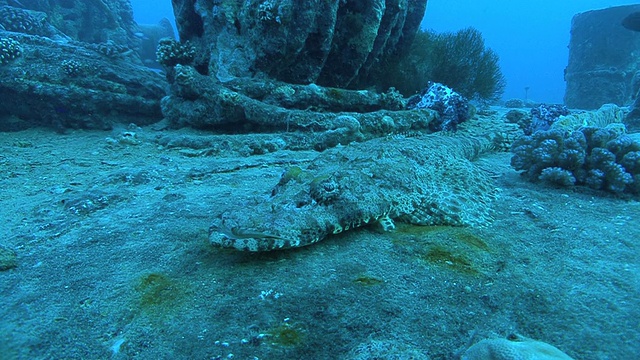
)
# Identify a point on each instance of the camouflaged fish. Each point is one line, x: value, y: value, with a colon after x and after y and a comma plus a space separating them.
x: 428, y: 180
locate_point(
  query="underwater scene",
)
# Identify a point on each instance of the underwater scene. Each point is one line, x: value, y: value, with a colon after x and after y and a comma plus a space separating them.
x: 335, y: 179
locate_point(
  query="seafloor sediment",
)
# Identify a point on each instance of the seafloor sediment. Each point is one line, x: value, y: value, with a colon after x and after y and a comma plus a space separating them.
x: 113, y: 261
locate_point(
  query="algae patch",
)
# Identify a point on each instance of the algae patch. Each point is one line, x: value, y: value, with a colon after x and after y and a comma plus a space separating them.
x: 455, y: 248
x: 441, y: 256
x: 159, y: 295
x: 287, y: 334
x: 368, y: 280
x: 455, y: 234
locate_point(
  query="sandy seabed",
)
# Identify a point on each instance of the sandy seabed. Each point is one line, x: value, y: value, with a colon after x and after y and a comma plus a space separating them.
x: 113, y: 262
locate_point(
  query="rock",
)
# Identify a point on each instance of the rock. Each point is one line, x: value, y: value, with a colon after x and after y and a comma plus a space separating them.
x: 330, y: 43
x: 72, y: 84
x: 632, y: 21
x: 284, y: 65
x: 90, y: 21
x: 603, y: 63
x: 245, y: 105
x: 72, y: 64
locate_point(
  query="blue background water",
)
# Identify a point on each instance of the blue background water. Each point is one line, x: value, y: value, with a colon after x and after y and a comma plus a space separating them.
x: 531, y: 37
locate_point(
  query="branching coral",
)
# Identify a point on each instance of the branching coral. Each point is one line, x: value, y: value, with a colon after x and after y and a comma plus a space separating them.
x: 600, y: 158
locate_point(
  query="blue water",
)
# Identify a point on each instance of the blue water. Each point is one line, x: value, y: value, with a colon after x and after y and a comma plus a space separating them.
x: 531, y: 37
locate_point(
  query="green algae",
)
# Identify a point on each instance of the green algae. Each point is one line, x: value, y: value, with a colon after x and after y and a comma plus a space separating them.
x: 158, y: 295
x: 368, y: 280
x: 155, y: 289
x: 287, y: 334
x: 452, y: 233
x: 457, y: 249
x: 292, y: 173
x: 443, y: 257
x: 464, y: 235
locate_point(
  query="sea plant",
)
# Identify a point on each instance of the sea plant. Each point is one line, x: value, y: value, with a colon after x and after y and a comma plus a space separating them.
x: 459, y: 60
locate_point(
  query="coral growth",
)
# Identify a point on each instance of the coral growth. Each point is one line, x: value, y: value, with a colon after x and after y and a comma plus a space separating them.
x: 514, y: 103
x: 543, y: 116
x: 171, y: 53
x: 110, y: 49
x: 452, y: 107
x: 71, y: 67
x: 600, y: 158
x: 9, y: 50
x: 20, y: 20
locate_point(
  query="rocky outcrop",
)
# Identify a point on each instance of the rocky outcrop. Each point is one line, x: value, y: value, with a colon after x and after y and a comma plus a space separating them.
x: 91, y: 21
x: 72, y: 64
x: 335, y: 116
x: 283, y: 65
x: 604, y: 66
x: 248, y: 66
x: 72, y: 84
x: 327, y: 42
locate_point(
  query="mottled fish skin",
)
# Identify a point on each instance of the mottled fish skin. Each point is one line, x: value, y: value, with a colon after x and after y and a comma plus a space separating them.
x: 427, y: 180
